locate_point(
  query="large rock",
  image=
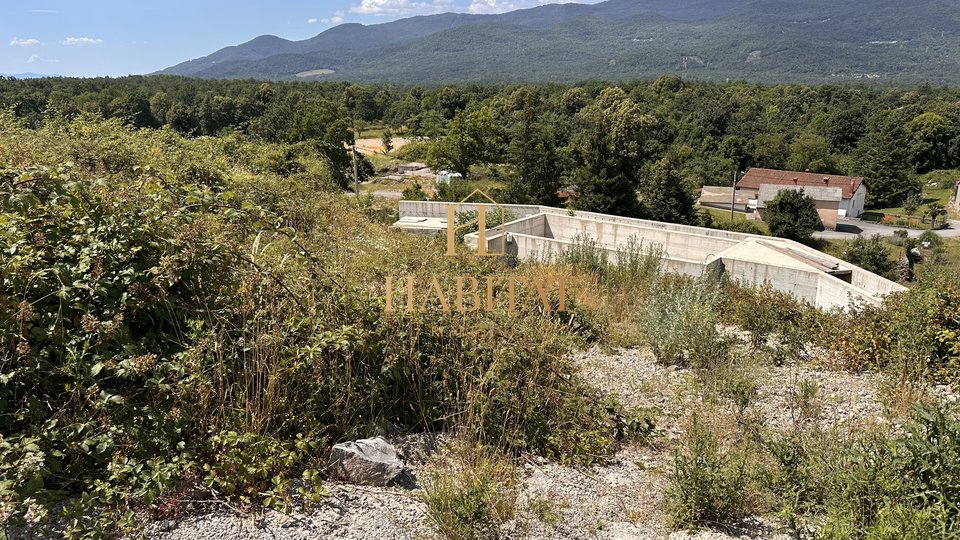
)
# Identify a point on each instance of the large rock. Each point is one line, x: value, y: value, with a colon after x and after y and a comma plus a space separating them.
x: 371, y: 462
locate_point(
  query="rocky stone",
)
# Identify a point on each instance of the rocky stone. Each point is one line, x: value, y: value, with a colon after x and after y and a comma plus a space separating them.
x: 370, y: 462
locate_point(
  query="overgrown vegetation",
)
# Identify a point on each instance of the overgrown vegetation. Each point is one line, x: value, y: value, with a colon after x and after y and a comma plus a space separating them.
x: 182, y: 313
x: 200, y: 323
x: 471, y: 494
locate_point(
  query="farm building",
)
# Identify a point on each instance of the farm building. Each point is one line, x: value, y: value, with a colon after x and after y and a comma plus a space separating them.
x: 853, y: 190
x: 828, y: 201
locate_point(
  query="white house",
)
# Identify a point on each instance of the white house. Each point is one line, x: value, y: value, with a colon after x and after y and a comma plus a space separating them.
x: 852, y: 188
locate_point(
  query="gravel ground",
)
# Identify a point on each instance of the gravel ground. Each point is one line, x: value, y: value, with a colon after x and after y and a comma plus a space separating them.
x: 620, y: 499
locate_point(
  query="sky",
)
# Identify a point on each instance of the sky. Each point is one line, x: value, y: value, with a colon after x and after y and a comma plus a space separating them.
x: 87, y: 38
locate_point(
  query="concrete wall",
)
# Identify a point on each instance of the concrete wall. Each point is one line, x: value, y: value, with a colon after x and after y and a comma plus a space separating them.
x: 680, y: 245
x: 526, y: 247
x: 542, y: 232
x: 828, y: 212
x: 433, y: 209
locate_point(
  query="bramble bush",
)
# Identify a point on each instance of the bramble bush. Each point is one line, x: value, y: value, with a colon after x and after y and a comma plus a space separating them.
x: 162, y: 334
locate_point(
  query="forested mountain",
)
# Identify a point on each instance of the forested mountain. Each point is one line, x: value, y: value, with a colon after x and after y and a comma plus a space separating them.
x: 758, y: 40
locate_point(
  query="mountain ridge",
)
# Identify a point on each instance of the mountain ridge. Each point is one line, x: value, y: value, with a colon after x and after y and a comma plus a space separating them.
x: 757, y: 40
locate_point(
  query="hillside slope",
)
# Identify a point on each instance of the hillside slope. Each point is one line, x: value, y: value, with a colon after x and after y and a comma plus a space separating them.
x: 760, y: 40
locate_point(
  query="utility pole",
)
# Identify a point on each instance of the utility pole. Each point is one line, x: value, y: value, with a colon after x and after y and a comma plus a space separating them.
x: 733, y: 196
x: 356, y: 173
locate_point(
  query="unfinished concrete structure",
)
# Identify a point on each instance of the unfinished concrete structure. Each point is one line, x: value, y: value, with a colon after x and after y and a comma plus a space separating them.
x: 540, y: 232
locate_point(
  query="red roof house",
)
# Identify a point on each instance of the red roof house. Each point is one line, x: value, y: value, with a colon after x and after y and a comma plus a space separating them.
x: 853, y: 189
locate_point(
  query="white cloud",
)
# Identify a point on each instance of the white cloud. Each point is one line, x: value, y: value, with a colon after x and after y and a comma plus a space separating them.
x: 82, y: 41
x: 337, y: 18
x: 30, y: 42
x: 312, y: 20
x: 34, y: 58
x: 501, y: 6
x: 401, y: 7
x: 43, y: 11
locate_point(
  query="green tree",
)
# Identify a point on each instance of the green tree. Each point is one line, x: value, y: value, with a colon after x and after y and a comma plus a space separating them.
x: 792, y: 214
x: 770, y: 150
x: 930, y: 137
x: 811, y: 152
x: 387, y: 141
x: 533, y: 150
x: 666, y: 196
x: 472, y: 137
x: 611, y: 146
x: 911, y: 204
x: 884, y: 161
x: 325, y: 128
x: 182, y: 118
x: 870, y: 254
x: 935, y: 211
x: 737, y: 150
x: 360, y: 102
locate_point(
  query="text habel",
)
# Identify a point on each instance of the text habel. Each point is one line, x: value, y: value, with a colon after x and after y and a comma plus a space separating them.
x: 467, y: 294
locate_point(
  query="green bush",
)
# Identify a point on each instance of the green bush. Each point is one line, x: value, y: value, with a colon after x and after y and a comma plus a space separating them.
x: 907, y: 486
x: 414, y: 193
x: 708, y: 481
x: 679, y: 321
x: 792, y: 214
x: 414, y: 151
x: 871, y: 254
x: 471, y: 494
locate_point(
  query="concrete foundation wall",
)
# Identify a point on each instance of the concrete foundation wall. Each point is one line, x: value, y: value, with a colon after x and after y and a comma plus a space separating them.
x: 542, y: 233
x: 802, y: 284
x: 526, y: 247
x: 675, y: 244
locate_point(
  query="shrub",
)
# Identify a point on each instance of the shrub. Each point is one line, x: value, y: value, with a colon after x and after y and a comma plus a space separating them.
x: 471, y: 493
x: 762, y: 311
x: 870, y: 254
x: 708, y: 481
x: 414, y: 193
x: 679, y: 322
x: 904, y: 487
x: 414, y: 151
x: 792, y: 214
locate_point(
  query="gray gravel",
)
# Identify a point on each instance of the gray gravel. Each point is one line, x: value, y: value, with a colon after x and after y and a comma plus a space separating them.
x: 620, y: 499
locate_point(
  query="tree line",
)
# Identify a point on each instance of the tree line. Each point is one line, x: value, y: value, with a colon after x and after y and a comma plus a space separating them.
x: 661, y: 139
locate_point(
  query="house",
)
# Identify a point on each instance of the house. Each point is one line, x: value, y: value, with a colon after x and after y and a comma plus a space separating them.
x: 720, y: 197
x: 828, y: 201
x: 853, y: 189
x: 568, y: 193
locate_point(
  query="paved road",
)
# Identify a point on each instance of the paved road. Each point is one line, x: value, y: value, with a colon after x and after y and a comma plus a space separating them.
x: 848, y: 229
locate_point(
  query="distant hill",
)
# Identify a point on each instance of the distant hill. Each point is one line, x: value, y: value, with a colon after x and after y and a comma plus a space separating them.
x: 25, y: 75
x: 757, y: 40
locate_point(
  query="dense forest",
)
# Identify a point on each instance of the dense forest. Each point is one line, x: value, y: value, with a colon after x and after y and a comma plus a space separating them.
x: 664, y: 137
x: 770, y: 41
